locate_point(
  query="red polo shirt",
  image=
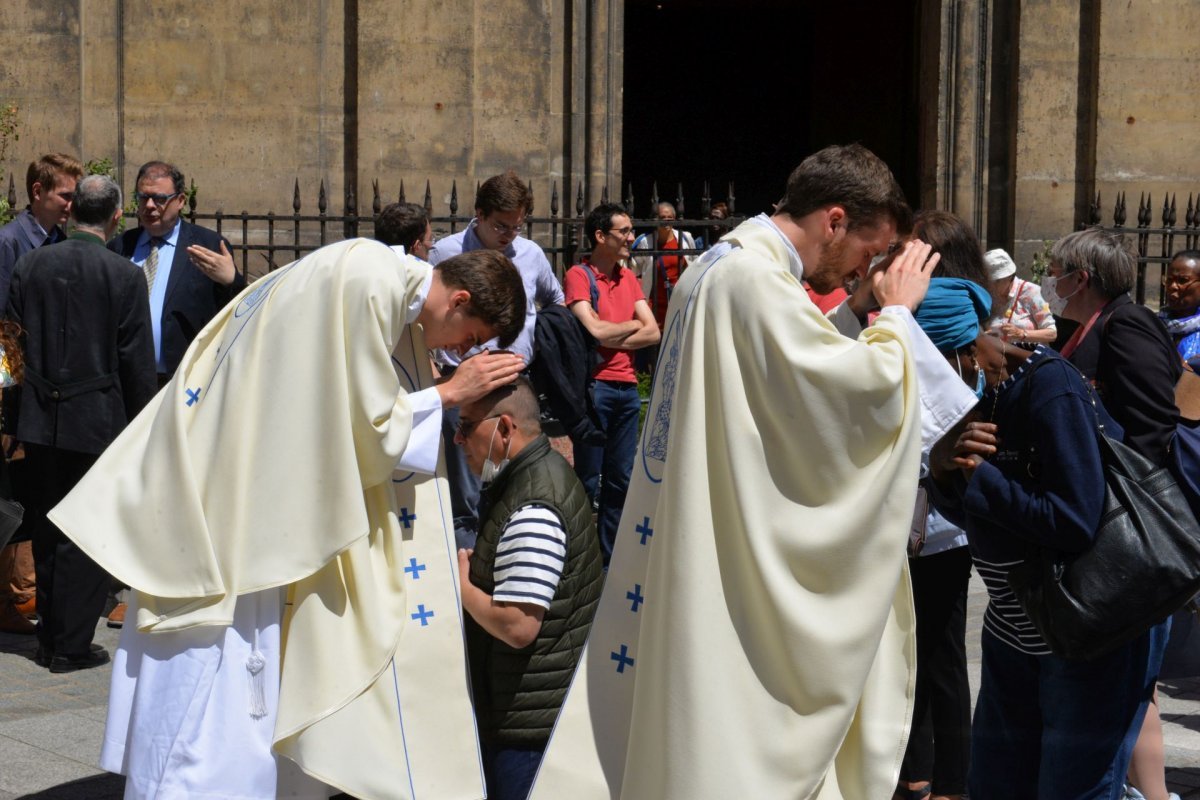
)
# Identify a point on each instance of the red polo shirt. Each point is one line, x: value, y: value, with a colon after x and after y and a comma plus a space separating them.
x: 616, y: 300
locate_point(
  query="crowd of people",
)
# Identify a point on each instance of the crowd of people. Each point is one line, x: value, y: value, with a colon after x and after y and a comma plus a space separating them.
x: 351, y: 559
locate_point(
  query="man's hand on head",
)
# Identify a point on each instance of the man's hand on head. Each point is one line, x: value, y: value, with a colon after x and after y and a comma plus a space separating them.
x: 478, y: 375
x: 906, y: 279
x: 218, y: 267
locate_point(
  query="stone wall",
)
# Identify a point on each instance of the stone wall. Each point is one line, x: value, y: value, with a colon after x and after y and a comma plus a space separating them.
x: 248, y: 98
x: 1105, y: 93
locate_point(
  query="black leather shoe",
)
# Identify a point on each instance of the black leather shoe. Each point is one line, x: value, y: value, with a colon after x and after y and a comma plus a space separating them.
x: 43, y: 656
x: 97, y: 657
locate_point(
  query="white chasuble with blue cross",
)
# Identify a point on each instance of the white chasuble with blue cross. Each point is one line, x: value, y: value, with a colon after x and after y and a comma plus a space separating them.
x: 270, y: 460
x: 755, y: 635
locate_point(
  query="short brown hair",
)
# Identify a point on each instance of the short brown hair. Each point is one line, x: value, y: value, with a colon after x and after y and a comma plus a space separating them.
x: 1105, y: 256
x: 496, y: 289
x: 517, y: 399
x: 503, y: 193
x: 45, y: 171
x: 161, y: 169
x: 850, y: 176
x: 401, y: 224
x: 954, y: 240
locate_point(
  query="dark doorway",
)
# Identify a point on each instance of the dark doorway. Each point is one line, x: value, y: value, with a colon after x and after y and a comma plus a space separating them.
x: 743, y: 91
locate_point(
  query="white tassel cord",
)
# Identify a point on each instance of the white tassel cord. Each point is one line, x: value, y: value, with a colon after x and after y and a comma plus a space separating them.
x: 254, y: 669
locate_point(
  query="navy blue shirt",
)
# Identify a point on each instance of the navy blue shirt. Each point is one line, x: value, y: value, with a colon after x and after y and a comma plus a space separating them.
x: 1044, y: 485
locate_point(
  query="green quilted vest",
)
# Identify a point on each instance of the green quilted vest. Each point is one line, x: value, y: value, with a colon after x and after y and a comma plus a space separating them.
x: 518, y: 693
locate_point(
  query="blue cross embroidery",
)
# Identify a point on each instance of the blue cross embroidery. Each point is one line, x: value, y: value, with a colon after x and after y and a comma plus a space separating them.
x: 422, y: 615
x: 414, y: 569
x: 636, y: 596
x: 644, y: 529
x: 622, y: 658
x: 406, y: 518
x: 193, y: 396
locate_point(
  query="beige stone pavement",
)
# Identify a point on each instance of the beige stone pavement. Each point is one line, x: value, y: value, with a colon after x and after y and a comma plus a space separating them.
x: 51, y: 725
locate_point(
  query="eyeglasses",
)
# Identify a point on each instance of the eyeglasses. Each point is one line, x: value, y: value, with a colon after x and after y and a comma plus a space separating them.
x: 622, y: 232
x: 1179, y: 280
x: 465, y: 428
x: 159, y: 199
x: 501, y: 229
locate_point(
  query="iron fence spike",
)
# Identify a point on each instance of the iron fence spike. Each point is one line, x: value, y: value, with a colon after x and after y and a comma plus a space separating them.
x: 296, y: 197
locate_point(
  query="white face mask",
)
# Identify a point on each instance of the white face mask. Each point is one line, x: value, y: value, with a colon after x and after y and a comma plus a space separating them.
x: 490, y: 468
x: 1050, y: 294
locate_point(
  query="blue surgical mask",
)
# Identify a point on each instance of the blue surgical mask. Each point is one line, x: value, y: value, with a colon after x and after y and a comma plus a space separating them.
x: 980, y: 378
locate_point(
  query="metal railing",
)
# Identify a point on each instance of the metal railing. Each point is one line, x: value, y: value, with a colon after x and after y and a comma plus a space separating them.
x: 1155, y: 245
x: 265, y: 241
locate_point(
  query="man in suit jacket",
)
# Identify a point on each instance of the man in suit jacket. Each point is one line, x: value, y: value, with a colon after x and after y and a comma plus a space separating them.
x: 189, y: 269
x: 50, y: 183
x: 89, y: 368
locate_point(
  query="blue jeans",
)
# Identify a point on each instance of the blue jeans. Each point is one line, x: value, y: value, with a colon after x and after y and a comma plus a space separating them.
x: 604, y: 471
x: 509, y: 771
x: 1060, y: 729
x: 464, y: 485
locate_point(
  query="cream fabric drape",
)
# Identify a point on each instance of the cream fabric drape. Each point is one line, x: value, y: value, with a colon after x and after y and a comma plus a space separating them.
x: 267, y: 461
x: 755, y: 636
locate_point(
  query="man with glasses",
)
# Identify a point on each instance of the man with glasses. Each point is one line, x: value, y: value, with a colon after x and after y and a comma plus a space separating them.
x: 50, y: 182
x: 529, y: 587
x: 189, y: 270
x: 660, y: 273
x: 622, y: 322
x: 501, y: 206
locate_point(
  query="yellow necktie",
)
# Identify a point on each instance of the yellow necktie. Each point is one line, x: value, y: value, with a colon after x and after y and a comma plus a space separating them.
x: 151, y: 265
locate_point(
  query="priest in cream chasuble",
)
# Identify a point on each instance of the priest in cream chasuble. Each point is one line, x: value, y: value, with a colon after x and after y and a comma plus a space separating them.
x: 755, y: 635
x: 296, y: 592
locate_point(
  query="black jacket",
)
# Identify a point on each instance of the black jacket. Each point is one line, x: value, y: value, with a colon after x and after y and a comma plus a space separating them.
x: 1135, y: 366
x: 192, y: 297
x: 564, y: 359
x: 89, y: 351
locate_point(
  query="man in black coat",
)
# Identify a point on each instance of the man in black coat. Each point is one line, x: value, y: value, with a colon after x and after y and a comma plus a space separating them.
x: 89, y: 368
x: 189, y: 269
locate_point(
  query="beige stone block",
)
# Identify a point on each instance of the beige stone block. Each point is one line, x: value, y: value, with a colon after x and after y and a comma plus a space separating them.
x: 46, y: 17
x: 420, y: 75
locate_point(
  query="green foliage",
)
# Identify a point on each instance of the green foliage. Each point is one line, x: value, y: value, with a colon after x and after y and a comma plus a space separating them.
x: 1041, y: 260
x: 105, y: 166
x: 10, y: 122
x: 101, y: 166
x: 644, y: 382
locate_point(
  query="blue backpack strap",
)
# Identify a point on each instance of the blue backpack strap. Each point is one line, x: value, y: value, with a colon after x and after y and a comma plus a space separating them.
x: 595, y: 289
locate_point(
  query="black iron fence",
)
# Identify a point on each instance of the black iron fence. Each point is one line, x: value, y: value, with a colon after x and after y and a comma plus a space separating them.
x: 1155, y: 245
x: 262, y: 242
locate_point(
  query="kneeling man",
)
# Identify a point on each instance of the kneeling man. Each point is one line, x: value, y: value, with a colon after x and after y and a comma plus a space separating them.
x: 530, y: 586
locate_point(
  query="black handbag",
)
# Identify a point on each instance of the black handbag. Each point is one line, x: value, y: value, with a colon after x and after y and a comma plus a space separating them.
x: 1142, y: 566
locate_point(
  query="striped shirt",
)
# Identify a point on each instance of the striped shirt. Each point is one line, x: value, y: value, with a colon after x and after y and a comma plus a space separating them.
x: 1004, y: 618
x: 530, y: 557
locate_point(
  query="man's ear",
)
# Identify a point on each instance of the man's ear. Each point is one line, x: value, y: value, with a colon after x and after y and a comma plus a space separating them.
x: 35, y: 191
x: 459, y: 297
x: 835, y: 218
